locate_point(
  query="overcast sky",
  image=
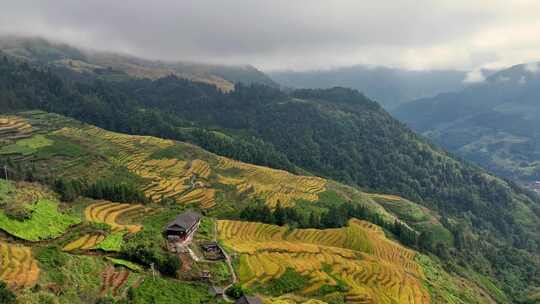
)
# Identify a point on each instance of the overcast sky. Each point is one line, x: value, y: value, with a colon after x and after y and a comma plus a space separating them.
x: 293, y: 34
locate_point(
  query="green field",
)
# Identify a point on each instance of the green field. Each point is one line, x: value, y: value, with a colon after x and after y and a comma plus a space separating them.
x: 27, y: 146
x: 113, y: 242
x: 125, y: 263
x: 46, y: 222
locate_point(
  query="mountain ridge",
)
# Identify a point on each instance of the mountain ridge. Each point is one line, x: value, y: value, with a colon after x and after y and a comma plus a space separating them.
x: 63, y: 55
x: 334, y: 133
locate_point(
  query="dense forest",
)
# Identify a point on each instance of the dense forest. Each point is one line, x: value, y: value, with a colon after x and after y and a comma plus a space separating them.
x: 336, y: 133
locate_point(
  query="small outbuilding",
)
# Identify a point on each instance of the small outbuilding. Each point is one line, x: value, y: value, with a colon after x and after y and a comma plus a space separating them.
x: 183, y: 226
x: 212, y: 251
x: 210, y: 247
x: 216, y: 291
x: 248, y: 300
x: 206, y: 275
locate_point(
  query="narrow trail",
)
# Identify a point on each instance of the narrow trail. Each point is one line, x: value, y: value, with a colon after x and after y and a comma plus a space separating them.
x: 227, y: 257
x: 229, y: 264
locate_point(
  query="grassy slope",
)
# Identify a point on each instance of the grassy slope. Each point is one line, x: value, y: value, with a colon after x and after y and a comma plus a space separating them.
x: 233, y: 186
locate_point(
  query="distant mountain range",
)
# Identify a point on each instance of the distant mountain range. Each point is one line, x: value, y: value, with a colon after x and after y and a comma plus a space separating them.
x: 114, y: 66
x: 495, y: 123
x: 388, y: 86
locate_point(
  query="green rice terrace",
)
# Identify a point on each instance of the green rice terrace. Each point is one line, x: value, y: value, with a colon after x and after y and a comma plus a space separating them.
x: 92, y: 216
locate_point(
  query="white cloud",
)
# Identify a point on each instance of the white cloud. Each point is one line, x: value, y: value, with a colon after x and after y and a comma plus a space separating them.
x: 533, y: 67
x: 474, y: 76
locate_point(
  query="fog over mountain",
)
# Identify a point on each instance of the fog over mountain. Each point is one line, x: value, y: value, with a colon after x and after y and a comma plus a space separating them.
x: 390, y: 87
x: 299, y: 35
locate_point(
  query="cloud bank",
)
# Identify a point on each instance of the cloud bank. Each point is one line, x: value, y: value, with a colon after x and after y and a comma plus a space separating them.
x: 300, y: 34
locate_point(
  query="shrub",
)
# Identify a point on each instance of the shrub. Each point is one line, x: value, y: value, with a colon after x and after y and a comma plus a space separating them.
x: 142, y: 248
x: 6, y: 295
x: 169, y: 265
x: 235, y: 291
x: 18, y: 214
x: 51, y: 257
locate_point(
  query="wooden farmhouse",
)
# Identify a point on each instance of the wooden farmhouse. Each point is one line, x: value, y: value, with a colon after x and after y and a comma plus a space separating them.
x: 183, y: 226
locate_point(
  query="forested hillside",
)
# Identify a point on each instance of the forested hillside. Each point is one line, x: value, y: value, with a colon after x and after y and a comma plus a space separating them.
x: 494, y: 123
x: 336, y: 133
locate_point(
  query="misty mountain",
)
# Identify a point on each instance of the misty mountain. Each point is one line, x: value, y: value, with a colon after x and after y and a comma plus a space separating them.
x: 113, y: 65
x: 495, y: 123
x: 389, y: 86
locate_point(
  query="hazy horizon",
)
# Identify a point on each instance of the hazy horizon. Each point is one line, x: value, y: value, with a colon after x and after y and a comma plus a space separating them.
x: 297, y: 36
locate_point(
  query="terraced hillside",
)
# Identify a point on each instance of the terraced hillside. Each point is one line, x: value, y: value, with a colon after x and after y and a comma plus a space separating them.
x: 18, y: 268
x: 273, y: 185
x: 164, y: 169
x: 357, y: 263
x: 374, y: 269
x: 14, y: 127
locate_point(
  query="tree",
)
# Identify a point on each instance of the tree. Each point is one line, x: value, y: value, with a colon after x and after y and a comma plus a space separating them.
x: 169, y: 265
x: 279, y: 215
x: 6, y: 295
x: 235, y: 291
x: 66, y: 190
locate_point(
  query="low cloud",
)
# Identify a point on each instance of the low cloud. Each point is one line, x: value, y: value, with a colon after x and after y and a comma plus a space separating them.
x: 300, y: 34
x: 533, y: 67
x: 475, y: 76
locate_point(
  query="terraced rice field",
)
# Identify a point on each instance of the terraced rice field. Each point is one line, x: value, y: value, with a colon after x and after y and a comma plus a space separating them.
x: 204, y: 197
x: 173, y: 178
x: 270, y: 184
x: 168, y: 178
x: 18, y: 269
x: 188, y: 181
x: 86, y: 242
x: 108, y: 213
x: 12, y: 127
x: 112, y: 280
x: 375, y: 269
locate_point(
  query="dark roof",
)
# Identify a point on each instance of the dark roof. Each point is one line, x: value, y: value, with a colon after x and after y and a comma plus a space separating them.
x: 249, y: 300
x: 209, y: 245
x: 184, y: 221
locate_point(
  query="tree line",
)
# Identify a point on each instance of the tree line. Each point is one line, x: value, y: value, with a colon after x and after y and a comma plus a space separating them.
x: 335, y: 216
x: 71, y: 189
